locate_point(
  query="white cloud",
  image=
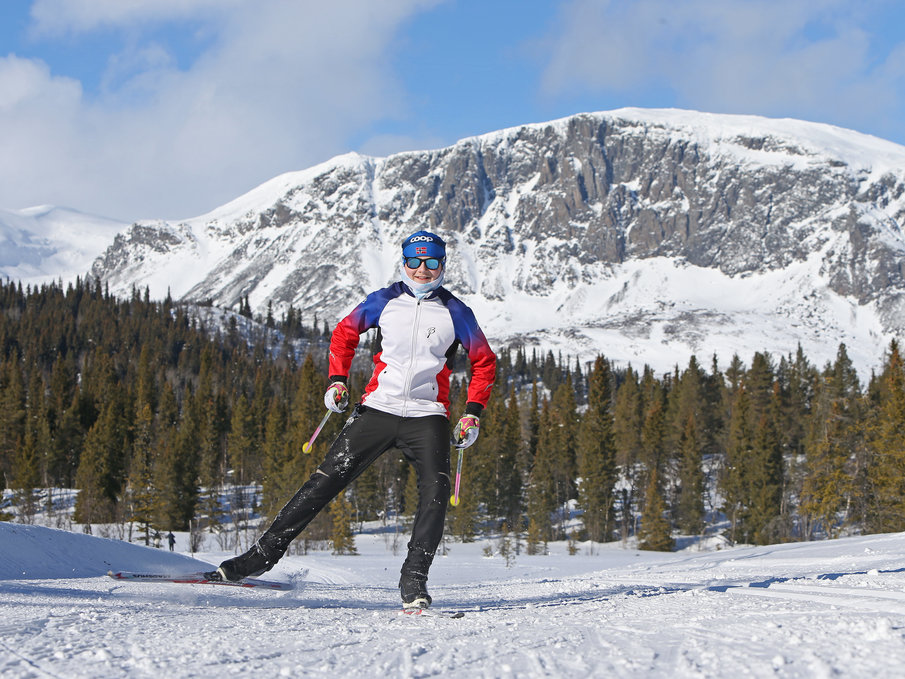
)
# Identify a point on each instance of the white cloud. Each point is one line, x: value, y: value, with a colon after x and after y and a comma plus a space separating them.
x: 39, y: 118
x: 61, y: 17
x: 282, y: 85
x: 803, y: 58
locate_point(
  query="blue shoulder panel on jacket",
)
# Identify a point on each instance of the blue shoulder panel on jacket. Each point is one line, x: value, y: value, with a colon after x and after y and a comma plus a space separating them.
x: 367, y: 314
x: 466, y: 325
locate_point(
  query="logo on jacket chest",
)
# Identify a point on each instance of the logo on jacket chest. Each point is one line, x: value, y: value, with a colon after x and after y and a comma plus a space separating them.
x: 430, y: 331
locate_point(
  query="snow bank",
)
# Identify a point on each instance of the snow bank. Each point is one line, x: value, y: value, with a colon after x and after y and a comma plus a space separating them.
x: 35, y: 552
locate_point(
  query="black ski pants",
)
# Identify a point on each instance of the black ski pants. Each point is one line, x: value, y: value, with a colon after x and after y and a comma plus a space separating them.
x: 424, y: 441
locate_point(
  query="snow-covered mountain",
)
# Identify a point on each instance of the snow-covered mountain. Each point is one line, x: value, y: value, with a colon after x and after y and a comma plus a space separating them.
x: 645, y: 235
x: 46, y: 243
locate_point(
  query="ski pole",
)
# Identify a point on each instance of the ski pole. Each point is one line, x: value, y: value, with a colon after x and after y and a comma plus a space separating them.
x: 306, y: 447
x: 454, y: 500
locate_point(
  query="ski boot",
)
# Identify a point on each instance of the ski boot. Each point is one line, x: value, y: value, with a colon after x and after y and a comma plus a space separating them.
x: 251, y: 563
x: 414, y: 593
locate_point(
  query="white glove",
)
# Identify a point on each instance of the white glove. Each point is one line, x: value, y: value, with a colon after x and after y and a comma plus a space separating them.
x: 337, y: 397
x: 466, y: 431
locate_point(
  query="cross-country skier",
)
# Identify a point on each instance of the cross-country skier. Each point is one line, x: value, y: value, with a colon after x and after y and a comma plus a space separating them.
x: 405, y: 405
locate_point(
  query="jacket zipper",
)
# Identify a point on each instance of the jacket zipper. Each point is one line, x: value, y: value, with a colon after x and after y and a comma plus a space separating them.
x: 408, y: 378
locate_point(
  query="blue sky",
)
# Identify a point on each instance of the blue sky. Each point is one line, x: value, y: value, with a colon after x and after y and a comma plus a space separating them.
x: 140, y: 109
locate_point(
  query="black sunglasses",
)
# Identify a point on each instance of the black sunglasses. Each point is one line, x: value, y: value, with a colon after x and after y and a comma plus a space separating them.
x: 431, y: 263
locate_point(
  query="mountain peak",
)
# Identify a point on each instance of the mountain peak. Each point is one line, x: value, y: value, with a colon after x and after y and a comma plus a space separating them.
x: 646, y: 235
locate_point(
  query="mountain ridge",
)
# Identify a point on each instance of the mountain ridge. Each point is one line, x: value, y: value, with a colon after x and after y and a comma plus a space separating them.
x: 608, y: 232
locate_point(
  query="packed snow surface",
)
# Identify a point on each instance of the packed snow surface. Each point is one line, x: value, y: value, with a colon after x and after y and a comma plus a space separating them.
x: 821, y: 609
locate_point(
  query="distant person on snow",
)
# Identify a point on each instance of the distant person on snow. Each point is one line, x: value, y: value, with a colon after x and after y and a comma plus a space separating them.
x: 171, y: 539
x: 405, y: 405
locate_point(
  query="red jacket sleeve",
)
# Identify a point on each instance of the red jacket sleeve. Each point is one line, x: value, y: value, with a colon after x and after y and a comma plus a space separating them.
x: 342, y: 346
x: 483, y: 360
x: 483, y: 371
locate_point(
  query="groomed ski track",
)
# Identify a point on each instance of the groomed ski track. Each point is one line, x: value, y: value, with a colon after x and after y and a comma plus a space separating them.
x: 822, y: 609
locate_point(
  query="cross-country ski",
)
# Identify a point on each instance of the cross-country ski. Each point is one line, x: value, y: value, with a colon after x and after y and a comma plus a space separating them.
x: 200, y: 578
x: 432, y: 613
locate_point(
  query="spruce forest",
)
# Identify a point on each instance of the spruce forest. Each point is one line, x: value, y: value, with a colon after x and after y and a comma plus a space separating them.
x: 164, y: 422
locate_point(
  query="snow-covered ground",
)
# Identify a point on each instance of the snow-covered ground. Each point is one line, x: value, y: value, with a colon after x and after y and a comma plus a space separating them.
x: 822, y: 609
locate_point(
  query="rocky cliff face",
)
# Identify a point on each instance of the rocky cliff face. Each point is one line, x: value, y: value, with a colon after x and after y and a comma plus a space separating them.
x: 569, y: 222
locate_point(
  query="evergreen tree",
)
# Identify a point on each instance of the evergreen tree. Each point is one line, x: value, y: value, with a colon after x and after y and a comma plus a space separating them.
x: 538, y: 531
x: 735, y: 374
x: 798, y: 381
x: 242, y: 442
x: 65, y: 435
x: 717, y: 409
x: 493, y: 459
x: 164, y: 464
x: 653, y: 430
x: 213, y: 425
x: 692, y: 433
x: 655, y: 530
x: 100, y: 473
x: 510, y: 478
x: 541, y: 498
x: 654, y: 455
x: 12, y: 417
x: 734, y: 478
x: 596, y: 452
x: 886, y: 473
x: 278, y: 482
x: 27, y: 476
x: 141, y: 493
x: 766, y: 482
x: 690, y: 504
x: 308, y: 410
x: 627, y: 422
x: 551, y: 372
x: 67, y: 443
x: 178, y: 470
x: 37, y: 426
x: 341, y: 537
x: 753, y: 478
x: 371, y: 492
x: 833, y: 438
x: 557, y: 440
x: 534, y: 413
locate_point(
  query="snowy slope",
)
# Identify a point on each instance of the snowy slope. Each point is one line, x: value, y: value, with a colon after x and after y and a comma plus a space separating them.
x: 833, y: 608
x: 45, y: 243
x: 661, y: 311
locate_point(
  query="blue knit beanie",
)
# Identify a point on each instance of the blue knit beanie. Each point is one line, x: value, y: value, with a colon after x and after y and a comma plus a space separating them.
x: 424, y: 244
